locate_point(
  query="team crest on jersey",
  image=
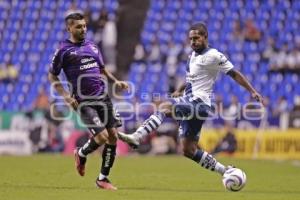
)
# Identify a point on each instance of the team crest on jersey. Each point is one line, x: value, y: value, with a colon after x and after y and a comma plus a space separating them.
x: 94, y: 49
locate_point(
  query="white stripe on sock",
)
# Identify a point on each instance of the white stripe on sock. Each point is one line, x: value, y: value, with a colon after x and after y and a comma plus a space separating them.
x: 203, y: 157
x: 80, y: 153
x: 149, y: 128
x: 153, y: 124
x: 156, y: 119
x: 218, y: 167
x: 101, y: 176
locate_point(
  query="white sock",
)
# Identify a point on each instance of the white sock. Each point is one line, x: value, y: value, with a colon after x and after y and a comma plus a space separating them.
x: 209, y: 162
x: 80, y: 153
x: 101, y: 176
x: 152, y: 123
x: 220, y: 168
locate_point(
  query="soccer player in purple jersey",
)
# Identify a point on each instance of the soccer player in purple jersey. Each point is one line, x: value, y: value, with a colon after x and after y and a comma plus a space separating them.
x: 82, y: 63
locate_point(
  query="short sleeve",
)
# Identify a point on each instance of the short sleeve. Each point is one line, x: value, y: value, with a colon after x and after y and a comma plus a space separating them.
x: 223, y: 63
x: 56, y: 64
x: 101, y: 62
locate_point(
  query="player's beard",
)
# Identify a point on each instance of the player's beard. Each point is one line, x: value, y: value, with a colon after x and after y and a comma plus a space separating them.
x: 80, y: 37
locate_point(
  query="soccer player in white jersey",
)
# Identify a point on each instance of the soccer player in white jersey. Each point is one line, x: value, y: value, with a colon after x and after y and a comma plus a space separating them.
x: 192, y: 108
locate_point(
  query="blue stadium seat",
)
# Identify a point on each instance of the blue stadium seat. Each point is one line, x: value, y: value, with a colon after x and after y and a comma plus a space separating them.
x: 33, y: 46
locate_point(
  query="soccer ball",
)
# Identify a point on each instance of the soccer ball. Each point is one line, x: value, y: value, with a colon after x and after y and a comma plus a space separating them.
x: 234, y: 179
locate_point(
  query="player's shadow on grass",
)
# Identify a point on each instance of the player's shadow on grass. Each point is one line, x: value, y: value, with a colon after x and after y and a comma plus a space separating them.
x: 168, y: 189
x: 201, y: 190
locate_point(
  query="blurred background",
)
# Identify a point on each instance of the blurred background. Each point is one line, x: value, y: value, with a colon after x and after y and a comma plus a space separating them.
x: 145, y: 42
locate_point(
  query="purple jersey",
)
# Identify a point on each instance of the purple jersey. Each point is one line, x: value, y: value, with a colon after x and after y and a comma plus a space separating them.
x: 82, y: 64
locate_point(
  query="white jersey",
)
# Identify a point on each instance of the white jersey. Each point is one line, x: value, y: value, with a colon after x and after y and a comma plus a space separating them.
x: 202, y: 72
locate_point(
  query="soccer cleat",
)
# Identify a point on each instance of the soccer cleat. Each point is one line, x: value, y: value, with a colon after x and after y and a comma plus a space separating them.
x: 79, y: 162
x: 129, y: 139
x: 105, y: 184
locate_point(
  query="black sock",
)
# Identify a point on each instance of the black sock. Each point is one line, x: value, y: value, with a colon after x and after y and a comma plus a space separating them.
x: 108, y: 158
x: 89, y: 147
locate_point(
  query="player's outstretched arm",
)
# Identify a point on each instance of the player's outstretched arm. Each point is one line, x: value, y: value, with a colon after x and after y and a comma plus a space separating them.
x: 241, y: 79
x: 120, y: 84
x: 55, y: 81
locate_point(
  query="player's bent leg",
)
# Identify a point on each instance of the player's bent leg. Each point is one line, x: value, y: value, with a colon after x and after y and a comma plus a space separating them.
x: 151, y: 124
x: 205, y: 160
x: 90, y: 146
x: 90, y: 117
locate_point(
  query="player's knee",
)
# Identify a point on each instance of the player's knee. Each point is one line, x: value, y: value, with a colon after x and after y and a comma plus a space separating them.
x: 112, y: 136
x: 165, y: 108
x: 167, y: 112
x: 101, y: 137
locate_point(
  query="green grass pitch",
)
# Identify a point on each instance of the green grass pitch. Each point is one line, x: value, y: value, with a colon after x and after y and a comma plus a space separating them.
x: 157, y: 178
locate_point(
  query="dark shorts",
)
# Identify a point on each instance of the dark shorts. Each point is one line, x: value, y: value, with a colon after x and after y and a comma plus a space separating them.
x: 98, y: 115
x: 191, y: 114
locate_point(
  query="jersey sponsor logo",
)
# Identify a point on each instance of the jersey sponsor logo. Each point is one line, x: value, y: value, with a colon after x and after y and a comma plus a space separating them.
x: 192, y: 77
x: 85, y: 60
x: 88, y: 66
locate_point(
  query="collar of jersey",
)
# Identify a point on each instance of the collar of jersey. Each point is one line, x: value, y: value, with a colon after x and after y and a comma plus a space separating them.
x: 202, y: 52
x: 78, y: 43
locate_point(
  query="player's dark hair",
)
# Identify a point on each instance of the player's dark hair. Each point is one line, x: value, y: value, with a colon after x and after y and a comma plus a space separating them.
x: 73, y: 16
x: 201, y: 28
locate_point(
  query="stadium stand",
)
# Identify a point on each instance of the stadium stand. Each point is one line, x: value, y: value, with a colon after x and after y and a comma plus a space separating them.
x: 32, y: 30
